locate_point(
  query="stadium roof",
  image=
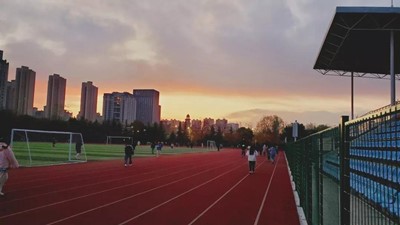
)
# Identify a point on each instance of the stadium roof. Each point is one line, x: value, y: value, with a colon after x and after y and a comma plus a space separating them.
x: 358, y: 41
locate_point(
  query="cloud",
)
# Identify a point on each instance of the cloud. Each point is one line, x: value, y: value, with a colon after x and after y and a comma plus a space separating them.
x: 256, y: 52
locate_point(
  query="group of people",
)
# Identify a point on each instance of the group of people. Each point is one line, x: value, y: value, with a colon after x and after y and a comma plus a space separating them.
x: 158, y: 147
x: 130, y: 151
x: 8, y: 160
x: 252, y: 154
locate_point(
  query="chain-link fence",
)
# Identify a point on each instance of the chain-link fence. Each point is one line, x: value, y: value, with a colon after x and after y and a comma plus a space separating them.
x: 350, y: 174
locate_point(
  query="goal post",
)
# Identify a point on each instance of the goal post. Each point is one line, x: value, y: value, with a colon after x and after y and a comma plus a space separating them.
x: 119, y: 140
x: 211, y: 145
x: 41, y: 147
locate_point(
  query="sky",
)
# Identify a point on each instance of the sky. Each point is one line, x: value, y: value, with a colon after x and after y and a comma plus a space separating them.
x: 235, y: 59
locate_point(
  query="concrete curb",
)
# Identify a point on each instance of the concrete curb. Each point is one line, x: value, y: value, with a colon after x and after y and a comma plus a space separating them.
x: 300, y: 211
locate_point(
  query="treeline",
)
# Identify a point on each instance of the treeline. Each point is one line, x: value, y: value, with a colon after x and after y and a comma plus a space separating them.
x: 269, y: 130
x: 92, y: 131
x: 95, y: 132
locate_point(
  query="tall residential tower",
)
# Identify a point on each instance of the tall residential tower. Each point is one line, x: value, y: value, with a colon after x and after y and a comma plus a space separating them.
x: 88, y: 109
x: 56, y: 87
x: 148, y: 109
x: 24, y: 90
x: 119, y: 107
x: 3, y: 80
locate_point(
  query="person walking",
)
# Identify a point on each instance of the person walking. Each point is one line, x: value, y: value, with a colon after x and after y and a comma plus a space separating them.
x: 152, y: 146
x: 272, y: 153
x: 7, y: 161
x: 243, y: 147
x: 129, y: 151
x: 78, y: 148
x: 54, y: 142
x: 243, y: 150
x: 264, y: 149
x: 251, y: 154
x: 159, y: 147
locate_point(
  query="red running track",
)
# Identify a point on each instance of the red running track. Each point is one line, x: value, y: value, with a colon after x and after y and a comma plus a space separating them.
x: 204, y: 188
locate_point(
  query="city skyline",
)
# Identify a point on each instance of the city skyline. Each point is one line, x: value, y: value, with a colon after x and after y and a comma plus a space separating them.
x: 225, y: 59
x: 142, y: 105
x: 56, y: 88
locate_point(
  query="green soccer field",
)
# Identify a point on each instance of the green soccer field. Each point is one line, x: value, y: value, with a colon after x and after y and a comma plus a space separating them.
x: 42, y: 153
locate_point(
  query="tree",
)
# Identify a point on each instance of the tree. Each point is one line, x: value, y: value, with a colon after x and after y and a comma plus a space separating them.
x: 196, y: 136
x: 303, y: 131
x: 172, y: 138
x: 269, y: 129
x: 182, y: 136
x: 312, y: 128
x: 219, y: 136
x: 245, y: 134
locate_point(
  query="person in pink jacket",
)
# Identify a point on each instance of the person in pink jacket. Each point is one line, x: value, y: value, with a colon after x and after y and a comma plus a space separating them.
x: 7, y: 161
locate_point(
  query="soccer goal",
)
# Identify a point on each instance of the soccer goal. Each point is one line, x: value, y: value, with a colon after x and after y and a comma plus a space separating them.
x: 119, y: 140
x: 40, y: 147
x: 211, y: 145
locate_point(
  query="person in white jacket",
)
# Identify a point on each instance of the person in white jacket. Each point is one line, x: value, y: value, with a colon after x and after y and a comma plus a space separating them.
x: 7, y: 160
x: 252, y: 154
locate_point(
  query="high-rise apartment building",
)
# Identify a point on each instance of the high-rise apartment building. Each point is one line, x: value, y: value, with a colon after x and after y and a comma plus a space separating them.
x: 196, y: 124
x: 11, y: 93
x: 148, y: 109
x: 24, y: 90
x: 119, y: 107
x: 88, y: 109
x: 208, y: 123
x: 221, y: 124
x: 232, y: 126
x: 56, y: 87
x: 170, y: 125
x: 3, y: 81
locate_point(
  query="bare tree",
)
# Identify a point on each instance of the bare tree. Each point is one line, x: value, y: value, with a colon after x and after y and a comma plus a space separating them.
x: 269, y: 129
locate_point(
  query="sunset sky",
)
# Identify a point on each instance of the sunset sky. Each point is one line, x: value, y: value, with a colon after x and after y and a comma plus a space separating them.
x: 233, y: 59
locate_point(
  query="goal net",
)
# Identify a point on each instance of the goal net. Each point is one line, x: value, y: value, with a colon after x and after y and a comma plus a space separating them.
x: 40, y: 147
x: 118, y: 140
x: 211, y: 145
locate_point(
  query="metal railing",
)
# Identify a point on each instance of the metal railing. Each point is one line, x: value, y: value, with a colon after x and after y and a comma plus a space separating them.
x: 350, y: 174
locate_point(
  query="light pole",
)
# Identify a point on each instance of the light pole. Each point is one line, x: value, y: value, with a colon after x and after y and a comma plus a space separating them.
x: 295, y: 130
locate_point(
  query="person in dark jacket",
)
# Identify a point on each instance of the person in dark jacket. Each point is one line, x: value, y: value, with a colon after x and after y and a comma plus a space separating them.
x: 78, y: 149
x: 129, y: 151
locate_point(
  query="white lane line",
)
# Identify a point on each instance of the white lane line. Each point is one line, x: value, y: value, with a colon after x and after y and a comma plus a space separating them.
x: 129, y: 197
x: 219, y: 199
x: 266, y: 193
x: 105, y: 182
x: 95, y: 193
x: 171, y: 199
x: 45, y: 181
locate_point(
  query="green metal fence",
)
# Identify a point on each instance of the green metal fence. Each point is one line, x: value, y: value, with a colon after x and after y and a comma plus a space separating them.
x: 350, y: 174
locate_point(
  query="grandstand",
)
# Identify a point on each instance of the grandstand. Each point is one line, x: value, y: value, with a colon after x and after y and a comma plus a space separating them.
x: 374, y: 169
x: 350, y: 174
x: 363, y: 161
